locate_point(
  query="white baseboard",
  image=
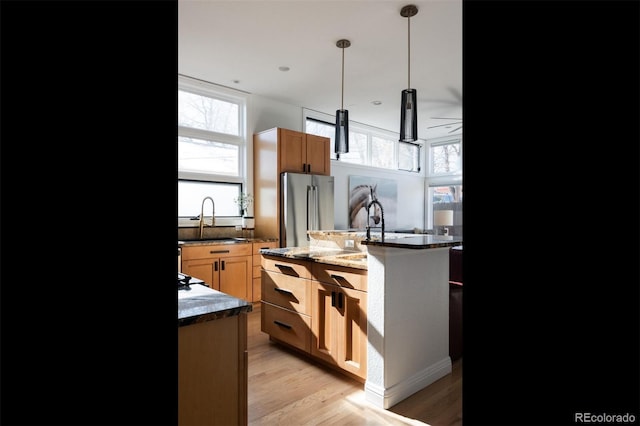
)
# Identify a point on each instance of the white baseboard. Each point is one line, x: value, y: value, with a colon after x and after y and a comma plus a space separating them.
x: 387, y: 398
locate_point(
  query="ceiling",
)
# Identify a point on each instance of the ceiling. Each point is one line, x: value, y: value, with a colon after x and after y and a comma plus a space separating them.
x: 242, y: 44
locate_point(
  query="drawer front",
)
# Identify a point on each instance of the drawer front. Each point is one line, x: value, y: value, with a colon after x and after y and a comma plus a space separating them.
x: 287, y: 326
x: 339, y: 275
x: 268, y: 245
x: 292, y: 267
x: 216, y: 250
x: 287, y: 291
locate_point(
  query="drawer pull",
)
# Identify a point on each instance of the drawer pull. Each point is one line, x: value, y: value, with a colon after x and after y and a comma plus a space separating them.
x: 333, y: 298
x: 282, y: 324
x: 340, y: 300
x: 218, y: 251
x: 282, y: 290
x: 286, y: 269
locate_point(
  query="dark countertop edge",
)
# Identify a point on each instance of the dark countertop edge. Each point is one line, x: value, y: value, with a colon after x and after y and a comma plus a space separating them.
x: 229, y: 312
x: 416, y: 243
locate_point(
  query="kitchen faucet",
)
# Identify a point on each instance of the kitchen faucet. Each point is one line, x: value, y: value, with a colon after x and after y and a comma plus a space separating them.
x: 213, y: 215
x: 368, y: 217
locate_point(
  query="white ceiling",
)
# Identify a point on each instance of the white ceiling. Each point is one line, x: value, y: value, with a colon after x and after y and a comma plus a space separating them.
x: 241, y: 44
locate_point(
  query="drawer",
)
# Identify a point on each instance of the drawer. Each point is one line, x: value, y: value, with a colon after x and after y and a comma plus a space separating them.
x: 289, y: 327
x: 216, y: 250
x: 268, y: 245
x: 286, y: 291
x: 293, y: 267
x: 340, y: 275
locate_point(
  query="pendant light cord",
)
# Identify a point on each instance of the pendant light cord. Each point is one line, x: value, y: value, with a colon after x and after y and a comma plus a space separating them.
x: 342, y: 99
x: 409, y: 52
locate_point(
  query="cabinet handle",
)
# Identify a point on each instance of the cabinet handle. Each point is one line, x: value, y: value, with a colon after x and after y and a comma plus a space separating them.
x: 337, y: 277
x: 308, y: 168
x: 218, y: 251
x: 340, y: 300
x: 282, y: 290
x: 281, y: 324
x: 286, y: 269
x: 215, y: 265
x: 223, y: 265
x: 333, y: 298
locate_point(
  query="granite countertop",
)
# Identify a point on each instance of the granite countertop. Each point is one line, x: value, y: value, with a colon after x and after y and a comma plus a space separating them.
x: 419, y: 241
x: 229, y: 240
x: 349, y: 258
x: 200, y: 303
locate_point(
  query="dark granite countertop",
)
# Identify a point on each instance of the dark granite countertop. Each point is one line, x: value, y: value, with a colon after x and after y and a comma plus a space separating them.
x: 201, y: 303
x: 348, y: 258
x: 229, y: 240
x: 419, y: 241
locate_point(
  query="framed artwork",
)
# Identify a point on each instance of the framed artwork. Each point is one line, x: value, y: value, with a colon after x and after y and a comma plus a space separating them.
x: 362, y: 191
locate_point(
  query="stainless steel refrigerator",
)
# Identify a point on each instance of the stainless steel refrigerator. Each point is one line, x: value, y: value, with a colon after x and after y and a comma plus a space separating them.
x: 306, y: 203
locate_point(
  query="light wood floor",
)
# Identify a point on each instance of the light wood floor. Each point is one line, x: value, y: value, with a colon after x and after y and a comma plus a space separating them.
x: 287, y: 388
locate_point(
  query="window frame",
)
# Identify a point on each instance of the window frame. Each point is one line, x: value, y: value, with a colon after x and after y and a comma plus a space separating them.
x: 242, y: 99
x: 370, y: 132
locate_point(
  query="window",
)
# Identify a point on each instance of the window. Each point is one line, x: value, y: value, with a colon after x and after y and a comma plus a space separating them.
x: 445, y: 183
x: 368, y: 145
x: 191, y: 194
x: 211, y: 147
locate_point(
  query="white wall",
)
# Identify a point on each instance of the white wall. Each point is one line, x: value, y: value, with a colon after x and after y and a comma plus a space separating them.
x: 266, y: 113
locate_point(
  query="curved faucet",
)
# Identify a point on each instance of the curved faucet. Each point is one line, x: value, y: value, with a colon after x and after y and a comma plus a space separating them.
x: 368, y: 217
x: 213, y: 215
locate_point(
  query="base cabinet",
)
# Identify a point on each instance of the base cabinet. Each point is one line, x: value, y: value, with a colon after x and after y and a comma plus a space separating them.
x: 212, y: 372
x: 227, y: 268
x: 319, y: 309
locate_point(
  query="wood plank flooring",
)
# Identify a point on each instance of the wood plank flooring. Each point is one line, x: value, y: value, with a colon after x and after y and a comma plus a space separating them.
x: 287, y: 388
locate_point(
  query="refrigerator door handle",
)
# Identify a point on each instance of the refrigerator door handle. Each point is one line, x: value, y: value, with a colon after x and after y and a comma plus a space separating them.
x: 316, y: 206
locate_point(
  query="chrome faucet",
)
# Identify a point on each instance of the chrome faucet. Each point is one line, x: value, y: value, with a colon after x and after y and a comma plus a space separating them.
x: 374, y: 219
x: 213, y: 215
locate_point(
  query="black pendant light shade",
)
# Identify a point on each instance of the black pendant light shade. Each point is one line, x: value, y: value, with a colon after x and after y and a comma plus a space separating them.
x: 409, y: 106
x: 342, y: 115
x: 342, y: 131
x: 409, y: 116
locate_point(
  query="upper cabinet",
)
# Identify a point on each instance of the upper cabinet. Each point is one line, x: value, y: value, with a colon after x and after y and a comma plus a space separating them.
x: 304, y: 153
x: 279, y: 150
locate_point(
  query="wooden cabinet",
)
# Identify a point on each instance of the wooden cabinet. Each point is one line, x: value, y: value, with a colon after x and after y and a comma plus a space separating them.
x: 339, y: 313
x: 318, y: 308
x: 256, y: 288
x: 304, y: 153
x: 223, y: 267
x: 286, y: 301
x: 276, y: 151
x: 212, y: 372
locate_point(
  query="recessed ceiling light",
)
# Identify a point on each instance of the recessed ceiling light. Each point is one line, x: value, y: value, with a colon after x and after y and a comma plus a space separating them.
x: 377, y: 102
x: 236, y: 81
x: 284, y: 68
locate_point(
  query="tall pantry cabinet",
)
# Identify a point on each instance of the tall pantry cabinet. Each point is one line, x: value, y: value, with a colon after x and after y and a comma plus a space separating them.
x: 276, y: 151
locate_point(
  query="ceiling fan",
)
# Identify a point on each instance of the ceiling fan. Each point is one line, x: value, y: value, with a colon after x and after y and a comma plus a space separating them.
x: 457, y: 121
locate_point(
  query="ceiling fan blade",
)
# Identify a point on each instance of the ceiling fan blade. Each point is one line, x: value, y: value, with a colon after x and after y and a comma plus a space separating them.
x: 440, y: 125
x: 455, y: 130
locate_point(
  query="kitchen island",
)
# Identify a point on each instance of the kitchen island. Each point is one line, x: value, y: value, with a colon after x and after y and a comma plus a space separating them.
x: 407, y: 306
x: 212, y: 357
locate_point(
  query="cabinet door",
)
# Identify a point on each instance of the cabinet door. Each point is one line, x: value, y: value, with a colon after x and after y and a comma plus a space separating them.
x: 318, y: 155
x: 353, y: 344
x: 340, y: 327
x: 292, y: 151
x: 235, y: 276
x: 326, y: 322
x: 201, y: 268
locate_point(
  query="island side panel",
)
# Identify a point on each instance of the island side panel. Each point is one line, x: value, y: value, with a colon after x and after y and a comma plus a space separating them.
x: 409, y: 327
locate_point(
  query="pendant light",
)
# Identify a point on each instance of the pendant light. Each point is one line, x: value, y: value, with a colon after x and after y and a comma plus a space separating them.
x: 342, y: 115
x: 408, y: 108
